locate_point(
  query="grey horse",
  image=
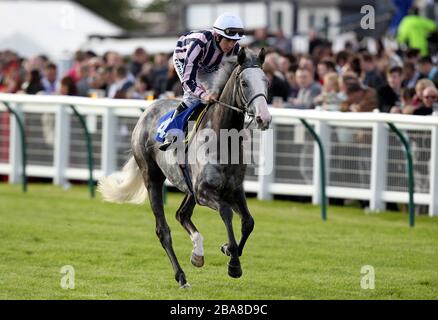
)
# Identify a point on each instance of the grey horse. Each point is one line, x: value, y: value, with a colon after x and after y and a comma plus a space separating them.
x: 212, y: 184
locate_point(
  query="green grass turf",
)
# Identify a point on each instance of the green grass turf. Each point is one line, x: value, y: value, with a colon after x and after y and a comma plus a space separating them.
x: 292, y: 253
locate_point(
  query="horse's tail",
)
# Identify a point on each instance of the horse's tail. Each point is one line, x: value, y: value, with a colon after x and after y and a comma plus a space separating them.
x: 126, y: 186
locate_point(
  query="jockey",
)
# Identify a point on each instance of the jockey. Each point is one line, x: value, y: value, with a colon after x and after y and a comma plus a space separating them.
x: 197, y: 57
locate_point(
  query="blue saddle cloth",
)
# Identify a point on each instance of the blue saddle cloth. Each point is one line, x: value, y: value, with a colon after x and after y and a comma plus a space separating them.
x: 165, y: 124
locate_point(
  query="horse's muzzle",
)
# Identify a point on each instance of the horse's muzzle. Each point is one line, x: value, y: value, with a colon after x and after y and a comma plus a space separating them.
x: 263, y: 124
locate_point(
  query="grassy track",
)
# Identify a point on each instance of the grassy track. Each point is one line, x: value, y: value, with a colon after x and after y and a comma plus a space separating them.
x: 292, y: 254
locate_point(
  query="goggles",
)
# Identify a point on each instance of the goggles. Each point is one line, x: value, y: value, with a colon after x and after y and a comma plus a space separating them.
x: 231, y: 32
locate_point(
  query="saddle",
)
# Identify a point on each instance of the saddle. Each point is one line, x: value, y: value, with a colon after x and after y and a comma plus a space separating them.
x: 180, y: 122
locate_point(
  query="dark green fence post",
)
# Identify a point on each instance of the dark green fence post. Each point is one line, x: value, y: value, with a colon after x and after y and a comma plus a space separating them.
x: 89, y: 151
x: 23, y: 146
x: 410, y: 168
x: 322, y: 168
x: 164, y: 194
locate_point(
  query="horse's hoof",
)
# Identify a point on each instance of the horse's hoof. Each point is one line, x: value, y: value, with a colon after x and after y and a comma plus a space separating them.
x: 197, y: 261
x: 180, y: 277
x: 234, y: 271
x: 224, y: 249
x: 185, y: 286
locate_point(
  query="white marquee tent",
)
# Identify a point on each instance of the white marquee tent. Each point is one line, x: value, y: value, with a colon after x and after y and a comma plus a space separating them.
x: 55, y: 28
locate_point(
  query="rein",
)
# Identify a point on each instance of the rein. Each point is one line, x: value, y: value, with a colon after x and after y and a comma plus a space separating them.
x: 229, y: 106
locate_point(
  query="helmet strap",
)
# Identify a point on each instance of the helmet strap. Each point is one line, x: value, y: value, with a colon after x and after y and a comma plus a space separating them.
x: 218, y: 38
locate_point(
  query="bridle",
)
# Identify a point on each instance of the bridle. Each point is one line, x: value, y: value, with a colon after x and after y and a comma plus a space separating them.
x: 238, y: 93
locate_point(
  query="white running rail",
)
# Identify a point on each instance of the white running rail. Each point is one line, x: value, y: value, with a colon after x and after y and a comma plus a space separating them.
x: 364, y: 159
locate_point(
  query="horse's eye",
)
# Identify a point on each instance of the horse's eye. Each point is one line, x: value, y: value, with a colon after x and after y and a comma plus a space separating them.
x: 244, y: 84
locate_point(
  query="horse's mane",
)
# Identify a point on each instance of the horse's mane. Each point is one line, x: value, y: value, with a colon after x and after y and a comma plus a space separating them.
x: 224, y: 74
x: 228, y: 67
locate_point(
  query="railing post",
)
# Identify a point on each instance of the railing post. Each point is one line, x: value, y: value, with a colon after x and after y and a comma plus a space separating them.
x: 109, y: 141
x: 89, y: 151
x: 164, y: 193
x: 17, y: 147
x: 322, y: 129
x: 62, y: 145
x: 322, y: 168
x: 433, y: 171
x: 265, y: 170
x: 410, y: 169
x: 378, y: 166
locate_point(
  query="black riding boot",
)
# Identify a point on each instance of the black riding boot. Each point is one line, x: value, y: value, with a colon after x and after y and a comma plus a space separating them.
x: 169, y: 140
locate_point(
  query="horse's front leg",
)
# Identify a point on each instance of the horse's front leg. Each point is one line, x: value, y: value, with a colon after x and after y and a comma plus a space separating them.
x: 234, y: 268
x: 241, y: 207
x: 208, y: 196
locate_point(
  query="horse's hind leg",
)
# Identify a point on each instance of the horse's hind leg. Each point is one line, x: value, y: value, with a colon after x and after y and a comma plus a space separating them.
x: 162, y: 228
x: 184, y: 215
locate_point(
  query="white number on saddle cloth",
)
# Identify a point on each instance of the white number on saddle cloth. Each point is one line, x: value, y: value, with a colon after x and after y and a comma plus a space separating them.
x: 161, y: 130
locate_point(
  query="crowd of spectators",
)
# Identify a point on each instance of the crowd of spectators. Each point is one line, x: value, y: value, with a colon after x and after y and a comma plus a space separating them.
x: 353, y: 79
x: 110, y: 75
x: 392, y: 81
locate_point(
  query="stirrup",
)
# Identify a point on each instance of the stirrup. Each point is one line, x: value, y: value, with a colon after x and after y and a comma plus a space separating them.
x: 166, y: 144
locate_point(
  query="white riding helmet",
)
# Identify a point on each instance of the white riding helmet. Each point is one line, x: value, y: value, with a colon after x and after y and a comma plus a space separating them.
x: 229, y: 26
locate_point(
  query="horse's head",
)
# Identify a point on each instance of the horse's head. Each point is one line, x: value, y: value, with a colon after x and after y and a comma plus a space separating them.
x: 252, y: 87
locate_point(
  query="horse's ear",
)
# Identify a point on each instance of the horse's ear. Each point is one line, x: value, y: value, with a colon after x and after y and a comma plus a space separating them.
x: 241, y: 56
x: 262, y: 55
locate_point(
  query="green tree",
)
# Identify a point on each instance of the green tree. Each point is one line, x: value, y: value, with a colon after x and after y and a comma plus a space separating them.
x: 116, y: 11
x: 159, y: 5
